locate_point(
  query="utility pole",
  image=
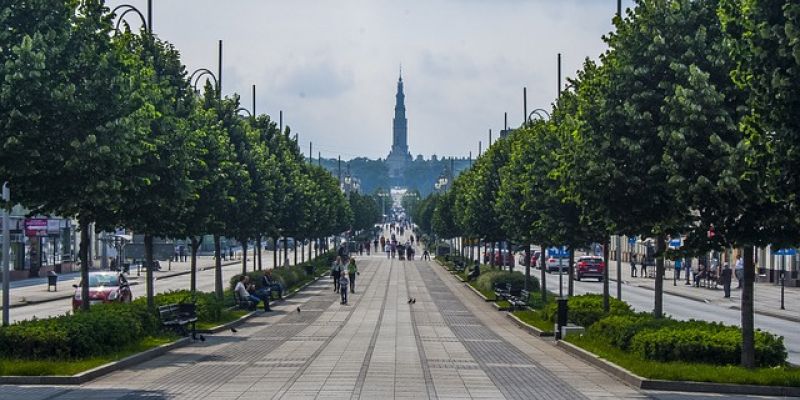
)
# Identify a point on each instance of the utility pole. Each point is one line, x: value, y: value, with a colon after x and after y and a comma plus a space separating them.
x: 480, y: 150
x: 254, y: 102
x: 524, y: 106
x: 280, y: 120
x: 311, y: 152
x: 219, y: 72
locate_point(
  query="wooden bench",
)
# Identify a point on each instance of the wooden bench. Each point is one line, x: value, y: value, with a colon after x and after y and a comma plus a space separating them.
x: 522, y: 301
x: 178, y: 317
x: 245, y: 304
x: 501, y: 291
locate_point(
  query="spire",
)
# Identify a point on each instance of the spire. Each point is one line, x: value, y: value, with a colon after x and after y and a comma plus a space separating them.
x: 401, y: 72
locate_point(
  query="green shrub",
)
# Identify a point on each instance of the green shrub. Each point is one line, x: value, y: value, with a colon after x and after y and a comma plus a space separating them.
x: 714, y: 345
x: 586, y: 309
x: 104, y: 329
x: 488, y: 280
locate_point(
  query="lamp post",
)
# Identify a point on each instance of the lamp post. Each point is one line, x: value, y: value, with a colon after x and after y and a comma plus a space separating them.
x: 6, y: 253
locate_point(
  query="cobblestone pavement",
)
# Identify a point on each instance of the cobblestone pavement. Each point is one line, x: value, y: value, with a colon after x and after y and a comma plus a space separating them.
x: 446, y: 345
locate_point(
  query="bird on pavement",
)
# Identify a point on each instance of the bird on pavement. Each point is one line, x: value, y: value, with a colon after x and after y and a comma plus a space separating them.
x: 414, y: 301
x: 234, y: 330
x: 298, y: 309
x: 409, y: 300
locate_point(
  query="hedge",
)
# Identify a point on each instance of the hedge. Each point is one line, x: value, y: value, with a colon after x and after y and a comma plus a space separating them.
x: 488, y: 280
x: 712, y: 346
x: 106, y: 328
x: 292, y: 276
x: 586, y: 309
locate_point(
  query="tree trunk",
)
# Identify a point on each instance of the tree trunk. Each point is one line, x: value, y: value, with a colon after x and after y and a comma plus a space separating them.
x: 285, y: 251
x: 491, y: 255
x: 606, y: 304
x: 294, y: 250
x: 83, y: 254
x: 193, y: 264
x: 543, y: 281
x: 218, y: 267
x: 527, y: 265
x: 571, y: 269
x: 748, y: 335
x: 274, y: 252
x: 149, y: 265
x: 244, y: 256
x: 258, y: 244
x: 503, y: 257
x: 658, y: 310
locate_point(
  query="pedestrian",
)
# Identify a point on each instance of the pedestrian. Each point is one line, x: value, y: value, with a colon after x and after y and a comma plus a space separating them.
x: 644, y: 267
x: 388, y: 250
x: 245, y: 295
x: 343, y: 283
x: 725, y: 280
x: 633, y: 265
x: 475, y: 273
x: 678, y: 266
x: 375, y: 245
x: 699, y: 273
x: 361, y: 249
x: 352, y: 271
x: 336, y: 273
x: 426, y: 255
x: 688, y: 269
x: 383, y: 241
x: 739, y: 271
x: 409, y: 253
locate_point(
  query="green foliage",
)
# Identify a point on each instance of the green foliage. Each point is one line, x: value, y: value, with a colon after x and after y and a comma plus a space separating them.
x: 586, y: 309
x: 712, y: 345
x: 488, y: 280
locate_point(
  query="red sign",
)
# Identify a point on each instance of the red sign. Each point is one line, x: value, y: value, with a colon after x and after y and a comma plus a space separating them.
x: 36, y: 227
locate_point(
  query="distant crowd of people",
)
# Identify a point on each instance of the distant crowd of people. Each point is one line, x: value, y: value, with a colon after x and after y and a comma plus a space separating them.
x: 702, y: 272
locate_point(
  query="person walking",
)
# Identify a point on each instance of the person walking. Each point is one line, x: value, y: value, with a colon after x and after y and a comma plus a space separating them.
x: 739, y: 271
x: 633, y: 265
x: 725, y: 279
x: 352, y: 271
x: 388, y: 250
x: 426, y: 255
x: 343, y: 283
x: 336, y: 273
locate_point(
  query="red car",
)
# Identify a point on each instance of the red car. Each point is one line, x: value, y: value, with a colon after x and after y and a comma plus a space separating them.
x: 589, y: 266
x: 499, y: 257
x: 104, y: 287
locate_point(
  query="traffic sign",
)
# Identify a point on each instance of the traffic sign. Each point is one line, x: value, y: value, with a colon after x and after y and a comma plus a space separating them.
x: 675, y: 243
x: 558, y: 252
x: 631, y: 239
x: 784, y: 252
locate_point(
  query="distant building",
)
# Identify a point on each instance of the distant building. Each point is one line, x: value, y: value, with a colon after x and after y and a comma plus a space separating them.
x: 399, y: 156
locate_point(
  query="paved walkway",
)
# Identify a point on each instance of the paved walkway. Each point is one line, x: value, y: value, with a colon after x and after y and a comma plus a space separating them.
x: 448, y: 345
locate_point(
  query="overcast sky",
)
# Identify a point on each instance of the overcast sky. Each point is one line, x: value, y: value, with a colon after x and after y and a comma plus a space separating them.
x: 332, y: 66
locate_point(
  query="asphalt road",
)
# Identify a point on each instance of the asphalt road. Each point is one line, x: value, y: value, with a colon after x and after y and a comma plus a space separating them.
x: 682, y: 308
x: 205, y: 282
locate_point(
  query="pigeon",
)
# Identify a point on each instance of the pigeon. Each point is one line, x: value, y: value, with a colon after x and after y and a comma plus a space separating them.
x: 413, y: 301
x: 298, y: 309
x: 409, y: 300
x: 202, y: 338
x: 234, y: 330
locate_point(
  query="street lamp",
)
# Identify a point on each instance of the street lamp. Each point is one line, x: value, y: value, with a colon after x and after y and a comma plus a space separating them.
x: 122, y: 10
x: 540, y: 113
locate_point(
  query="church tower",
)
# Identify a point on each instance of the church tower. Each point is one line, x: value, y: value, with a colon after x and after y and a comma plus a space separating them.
x: 399, y: 155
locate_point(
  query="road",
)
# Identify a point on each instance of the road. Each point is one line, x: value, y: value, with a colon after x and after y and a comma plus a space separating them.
x: 682, y: 308
x: 205, y: 282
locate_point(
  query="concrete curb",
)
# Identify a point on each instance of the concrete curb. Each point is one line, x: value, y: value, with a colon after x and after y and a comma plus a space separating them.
x: 528, y: 327
x: 674, y: 386
x: 477, y: 292
x: 97, y: 372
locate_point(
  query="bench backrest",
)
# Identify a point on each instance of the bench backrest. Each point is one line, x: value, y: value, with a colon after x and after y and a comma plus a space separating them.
x: 525, y: 295
x: 167, y: 312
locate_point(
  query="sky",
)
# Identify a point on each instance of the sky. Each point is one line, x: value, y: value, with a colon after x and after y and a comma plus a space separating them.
x: 332, y: 66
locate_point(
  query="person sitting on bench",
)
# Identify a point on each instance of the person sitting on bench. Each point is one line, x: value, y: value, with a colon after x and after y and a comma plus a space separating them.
x: 241, y: 290
x: 476, y: 272
x: 272, y: 284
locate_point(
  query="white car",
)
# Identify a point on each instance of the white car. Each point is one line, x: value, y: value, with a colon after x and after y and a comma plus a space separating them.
x: 553, y: 264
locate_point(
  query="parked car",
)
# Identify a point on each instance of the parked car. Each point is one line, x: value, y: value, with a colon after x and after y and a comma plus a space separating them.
x: 501, y: 257
x: 535, y: 256
x: 555, y: 264
x: 589, y: 267
x: 104, y: 287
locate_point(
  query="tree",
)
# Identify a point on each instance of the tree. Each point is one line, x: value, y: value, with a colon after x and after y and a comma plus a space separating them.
x: 159, y: 186
x: 68, y: 107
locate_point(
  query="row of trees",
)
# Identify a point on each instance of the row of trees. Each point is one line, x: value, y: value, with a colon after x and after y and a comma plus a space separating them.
x: 687, y: 125
x: 105, y: 127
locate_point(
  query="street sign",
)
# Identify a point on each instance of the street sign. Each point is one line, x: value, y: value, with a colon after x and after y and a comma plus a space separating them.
x: 675, y: 243
x: 784, y: 252
x: 36, y: 227
x: 558, y: 252
x: 631, y: 239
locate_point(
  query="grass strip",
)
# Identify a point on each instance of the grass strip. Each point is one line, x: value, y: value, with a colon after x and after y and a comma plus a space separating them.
x: 21, y: 367
x: 684, y: 371
x: 534, y: 318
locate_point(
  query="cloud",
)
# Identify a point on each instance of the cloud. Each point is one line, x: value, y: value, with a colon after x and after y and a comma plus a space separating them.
x: 320, y: 80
